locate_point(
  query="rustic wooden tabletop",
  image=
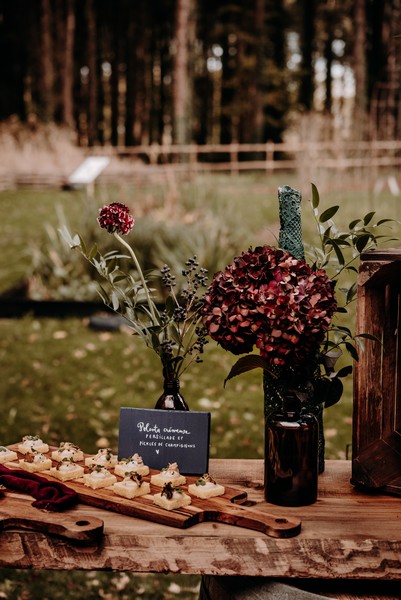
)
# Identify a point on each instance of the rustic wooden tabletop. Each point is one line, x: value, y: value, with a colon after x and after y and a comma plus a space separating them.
x: 345, y: 534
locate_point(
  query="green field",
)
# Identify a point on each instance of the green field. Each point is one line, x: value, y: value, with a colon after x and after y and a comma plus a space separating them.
x: 65, y: 381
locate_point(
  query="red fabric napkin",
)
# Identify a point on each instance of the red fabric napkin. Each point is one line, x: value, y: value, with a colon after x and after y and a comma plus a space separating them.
x: 49, y: 495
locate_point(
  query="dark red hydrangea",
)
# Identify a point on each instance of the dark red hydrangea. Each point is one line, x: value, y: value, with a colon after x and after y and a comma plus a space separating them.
x: 268, y: 299
x: 115, y: 218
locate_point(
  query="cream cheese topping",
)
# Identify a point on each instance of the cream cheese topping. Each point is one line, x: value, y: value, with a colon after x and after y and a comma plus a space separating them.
x: 208, y: 485
x: 39, y: 458
x: 65, y: 467
x: 102, y: 460
x: 129, y: 483
x: 100, y: 474
x: 132, y: 465
x: 169, y: 474
x: 67, y: 453
x: 31, y: 443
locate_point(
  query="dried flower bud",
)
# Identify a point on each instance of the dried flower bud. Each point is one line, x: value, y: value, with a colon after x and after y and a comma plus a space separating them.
x: 115, y: 218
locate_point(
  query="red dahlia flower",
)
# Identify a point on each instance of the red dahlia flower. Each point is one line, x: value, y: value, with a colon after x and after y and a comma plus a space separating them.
x: 115, y: 218
x: 268, y: 299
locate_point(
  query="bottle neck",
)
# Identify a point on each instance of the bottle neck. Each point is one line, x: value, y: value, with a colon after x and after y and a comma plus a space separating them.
x: 171, y: 399
x: 171, y: 386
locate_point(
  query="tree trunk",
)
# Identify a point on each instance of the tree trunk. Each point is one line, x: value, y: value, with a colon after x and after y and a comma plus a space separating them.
x: 131, y: 43
x: 256, y: 88
x: 136, y: 116
x: 360, y: 103
x: 226, y: 92
x: 67, y: 92
x: 205, y: 81
x: 181, y: 84
x: 141, y: 115
x: 307, y: 43
x: 328, y: 55
x: 16, y: 24
x: 46, y: 57
x: 279, y: 107
x: 93, y: 77
x: 116, y: 60
x: 393, y: 70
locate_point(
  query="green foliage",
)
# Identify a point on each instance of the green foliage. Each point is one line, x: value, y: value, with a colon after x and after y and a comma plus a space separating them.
x: 338, y: 252
x: 23, y: 215
x: 55, y: 272
x: 248, y: 363
x: 209, y: 238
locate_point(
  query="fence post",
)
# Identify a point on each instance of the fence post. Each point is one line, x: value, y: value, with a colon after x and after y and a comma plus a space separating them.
x: 269, y: 155
x: 193, y: 158
x: 270, y: 147
x: 234, y: 158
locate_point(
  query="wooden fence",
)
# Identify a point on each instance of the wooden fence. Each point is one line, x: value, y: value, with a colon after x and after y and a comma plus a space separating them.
x: 156, y: 159
x: 266, y: 157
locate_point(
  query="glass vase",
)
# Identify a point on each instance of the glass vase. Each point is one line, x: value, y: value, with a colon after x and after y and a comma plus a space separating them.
x: 171, y: 399
x: 291, y: 455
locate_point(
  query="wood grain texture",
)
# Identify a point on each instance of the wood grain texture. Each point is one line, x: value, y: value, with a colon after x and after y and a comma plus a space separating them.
x: 16, y: 513
x: 376, y: 443
x: 346, y: 534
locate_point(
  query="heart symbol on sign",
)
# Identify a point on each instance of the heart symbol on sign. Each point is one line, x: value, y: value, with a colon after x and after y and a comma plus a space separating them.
x: 157, y: 451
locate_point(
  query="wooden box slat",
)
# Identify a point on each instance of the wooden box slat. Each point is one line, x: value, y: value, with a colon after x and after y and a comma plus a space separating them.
x: 376, y: 444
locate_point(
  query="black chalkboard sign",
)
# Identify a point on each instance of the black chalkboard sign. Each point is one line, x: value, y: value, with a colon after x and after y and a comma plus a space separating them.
x: 166, y: 436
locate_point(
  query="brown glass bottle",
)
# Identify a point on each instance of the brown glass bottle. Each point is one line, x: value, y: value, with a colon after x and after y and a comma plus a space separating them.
x: 171, y: 398
x: 291, y: 455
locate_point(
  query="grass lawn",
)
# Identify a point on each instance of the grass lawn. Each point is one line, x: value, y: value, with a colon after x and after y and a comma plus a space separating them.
x: 65, y: 381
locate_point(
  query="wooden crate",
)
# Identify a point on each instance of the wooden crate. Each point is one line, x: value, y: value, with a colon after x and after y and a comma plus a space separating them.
x: 376, y: 444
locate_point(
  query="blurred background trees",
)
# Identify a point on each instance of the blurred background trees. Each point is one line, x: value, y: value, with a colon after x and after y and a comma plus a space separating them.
x: 131, y: 72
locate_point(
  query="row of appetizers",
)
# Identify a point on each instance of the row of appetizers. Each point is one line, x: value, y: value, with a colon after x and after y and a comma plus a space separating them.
x: 131, y: 469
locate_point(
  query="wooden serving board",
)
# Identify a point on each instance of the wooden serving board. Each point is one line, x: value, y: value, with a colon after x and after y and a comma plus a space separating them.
x: 223, y: 509
x: 17, y: 513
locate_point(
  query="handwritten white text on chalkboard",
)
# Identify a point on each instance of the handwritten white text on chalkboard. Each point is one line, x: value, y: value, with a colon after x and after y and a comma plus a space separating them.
x: 162, y: 437
x: 154, y: 432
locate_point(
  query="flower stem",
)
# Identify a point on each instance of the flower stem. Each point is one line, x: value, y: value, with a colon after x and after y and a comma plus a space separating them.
x: 141, y: 276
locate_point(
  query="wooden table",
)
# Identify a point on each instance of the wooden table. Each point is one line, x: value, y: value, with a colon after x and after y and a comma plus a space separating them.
x: 346, y: 534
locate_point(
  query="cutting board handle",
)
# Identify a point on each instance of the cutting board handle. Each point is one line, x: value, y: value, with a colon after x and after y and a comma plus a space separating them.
x: 85, y: 530
x: 278, y: 526
x: 71, y: 526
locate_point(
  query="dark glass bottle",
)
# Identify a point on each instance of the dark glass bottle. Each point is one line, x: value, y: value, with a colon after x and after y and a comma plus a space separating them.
x: 171, y: 398
x: 291, y: 455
